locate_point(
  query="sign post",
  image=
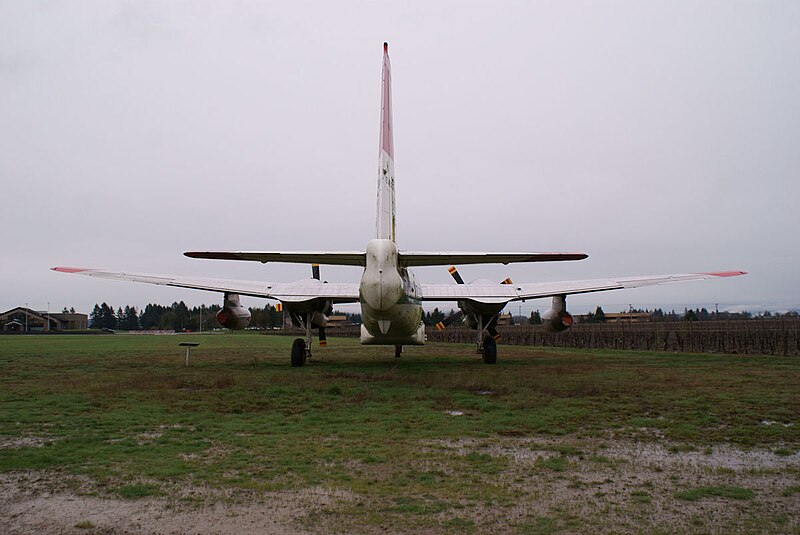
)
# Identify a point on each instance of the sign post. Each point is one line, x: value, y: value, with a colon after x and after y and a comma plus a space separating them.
x: 189, y: 346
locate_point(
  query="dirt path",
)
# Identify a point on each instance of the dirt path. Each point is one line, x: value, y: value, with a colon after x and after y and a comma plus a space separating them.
x: 561, y: 484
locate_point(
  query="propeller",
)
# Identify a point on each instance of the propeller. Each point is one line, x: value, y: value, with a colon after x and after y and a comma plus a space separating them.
x: 491, y: 324
x: 457, y: 276
x: 323, y: 340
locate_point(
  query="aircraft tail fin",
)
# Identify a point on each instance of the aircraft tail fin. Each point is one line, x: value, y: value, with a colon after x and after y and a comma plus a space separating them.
x: 385, y: 221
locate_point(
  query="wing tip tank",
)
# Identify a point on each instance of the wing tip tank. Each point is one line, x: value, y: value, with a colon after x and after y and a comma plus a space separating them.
x: 725, y: 273
x: 64, y: 269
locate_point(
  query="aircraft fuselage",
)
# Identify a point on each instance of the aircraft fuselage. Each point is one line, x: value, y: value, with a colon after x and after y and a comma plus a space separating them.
x: 391, y: 311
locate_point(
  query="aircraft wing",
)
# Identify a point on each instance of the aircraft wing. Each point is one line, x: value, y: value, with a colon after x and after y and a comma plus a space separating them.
x: 298, y: 291
x: 488, y: 292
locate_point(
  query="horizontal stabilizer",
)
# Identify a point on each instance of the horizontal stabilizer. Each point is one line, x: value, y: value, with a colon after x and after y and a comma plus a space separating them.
x: 333, y: 258
x: 407, y: 258
x: 424, y: 258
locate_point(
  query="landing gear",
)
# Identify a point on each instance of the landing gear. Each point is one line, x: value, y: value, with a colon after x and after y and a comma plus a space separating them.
x: 298, y: 352
x: 398, y: 351
x: 487, y: 345
x: 301, y: 349
x: 489, y: 351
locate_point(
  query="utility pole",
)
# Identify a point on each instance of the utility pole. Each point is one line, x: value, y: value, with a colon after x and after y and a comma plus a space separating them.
x: 48, y: 316
x: 26, y: 317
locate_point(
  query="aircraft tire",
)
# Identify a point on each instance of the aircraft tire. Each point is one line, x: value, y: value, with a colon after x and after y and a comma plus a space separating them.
x: 298, y: 352
x: 489, y: 350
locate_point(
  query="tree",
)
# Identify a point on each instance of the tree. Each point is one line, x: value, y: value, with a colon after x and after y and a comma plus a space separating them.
x: 96, y: 317
x: 105, y: 318
x: 129, y: 320
x: 181, y: 316
x: 599, y: 315
x: 535, y: 318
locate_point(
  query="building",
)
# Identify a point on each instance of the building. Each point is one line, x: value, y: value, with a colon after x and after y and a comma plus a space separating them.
x: 505, y: 319
x: 629, y: 317
x: 23, y: 319
x: 337, y: 321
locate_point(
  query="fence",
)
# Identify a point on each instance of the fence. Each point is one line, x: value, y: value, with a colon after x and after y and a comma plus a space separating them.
x: 764, y: 336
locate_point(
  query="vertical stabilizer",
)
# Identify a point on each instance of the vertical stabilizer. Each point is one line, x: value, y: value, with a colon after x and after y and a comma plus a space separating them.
x: 385, y: 222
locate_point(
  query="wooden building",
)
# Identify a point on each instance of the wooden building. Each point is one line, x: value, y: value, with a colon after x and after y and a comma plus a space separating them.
x: 21, y: 319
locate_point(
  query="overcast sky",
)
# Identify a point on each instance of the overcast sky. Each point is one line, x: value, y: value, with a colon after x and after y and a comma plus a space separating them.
x: 657, y: 137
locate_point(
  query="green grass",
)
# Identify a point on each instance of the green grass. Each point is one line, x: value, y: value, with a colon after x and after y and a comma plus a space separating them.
x: 122, y: 408
x: 723, y: 491
x: 132, y: 492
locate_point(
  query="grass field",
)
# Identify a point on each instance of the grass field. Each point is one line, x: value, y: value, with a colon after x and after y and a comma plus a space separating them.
x: 545, y: 441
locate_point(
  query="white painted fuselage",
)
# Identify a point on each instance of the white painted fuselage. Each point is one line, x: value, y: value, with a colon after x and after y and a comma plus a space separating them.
x: 391, y: 312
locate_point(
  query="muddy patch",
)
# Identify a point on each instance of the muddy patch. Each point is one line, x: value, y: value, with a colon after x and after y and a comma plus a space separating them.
x: 25, y: 442
x: 40, y: 502
x: 565, y: 482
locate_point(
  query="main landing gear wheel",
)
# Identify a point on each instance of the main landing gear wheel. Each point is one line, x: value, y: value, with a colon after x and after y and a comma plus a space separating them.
x: 398, y: 351
x: 298, y: 352
x: 489, y: 352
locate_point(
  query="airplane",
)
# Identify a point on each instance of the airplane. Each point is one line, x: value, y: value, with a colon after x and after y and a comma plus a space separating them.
x: 389, y: 295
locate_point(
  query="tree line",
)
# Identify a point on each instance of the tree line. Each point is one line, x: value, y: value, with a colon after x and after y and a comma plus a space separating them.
x: 176, y: 316
x: 180, y: 317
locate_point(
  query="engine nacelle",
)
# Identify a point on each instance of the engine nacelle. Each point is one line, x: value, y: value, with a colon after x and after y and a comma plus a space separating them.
x: 233, y: 315
x: 235, y: 318
x: 557, y: 318
x: 557, y: 321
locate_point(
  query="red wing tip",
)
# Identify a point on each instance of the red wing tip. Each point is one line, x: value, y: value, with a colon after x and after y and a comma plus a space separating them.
x: 69, y: 269
x: 385, y: 46
x: 726, y: 273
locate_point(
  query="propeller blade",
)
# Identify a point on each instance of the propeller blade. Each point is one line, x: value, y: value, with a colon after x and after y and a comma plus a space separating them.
x: 323, y: 341
x: 457, y: 276
x: 315, y: 271
x: 449, y: 320
x: 493, y: 333
x: 454, y: 272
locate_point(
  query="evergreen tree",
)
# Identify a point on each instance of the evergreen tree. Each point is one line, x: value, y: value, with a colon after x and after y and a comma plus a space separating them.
x: 535, y: 318
x: 599, y: 315
x: 181, y: 316
x: 131, y: 319
x: 436, y: 316
x: 96, y: 317
x: 107, y: 318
